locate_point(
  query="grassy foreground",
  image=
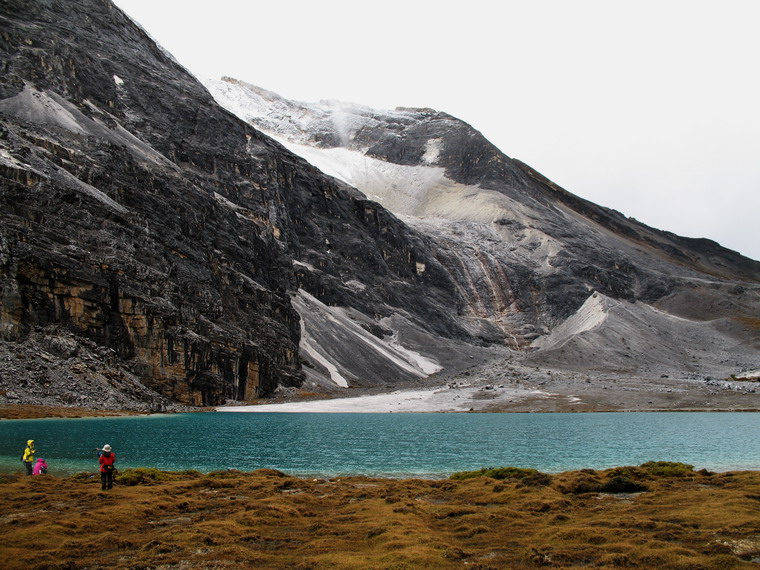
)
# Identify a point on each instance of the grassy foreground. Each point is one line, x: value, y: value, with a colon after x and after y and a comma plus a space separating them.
x: 652, y: 516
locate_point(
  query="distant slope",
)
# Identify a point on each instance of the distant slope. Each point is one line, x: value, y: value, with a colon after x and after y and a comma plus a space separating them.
x: 639, y: 340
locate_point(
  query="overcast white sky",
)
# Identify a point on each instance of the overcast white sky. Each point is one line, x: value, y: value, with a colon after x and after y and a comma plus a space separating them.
x: 650, y: 107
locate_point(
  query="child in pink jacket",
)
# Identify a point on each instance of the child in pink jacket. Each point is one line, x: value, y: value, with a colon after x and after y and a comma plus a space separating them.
x: 40, y: 468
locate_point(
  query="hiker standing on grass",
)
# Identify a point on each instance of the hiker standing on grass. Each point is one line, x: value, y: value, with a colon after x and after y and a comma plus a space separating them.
x: 28, y: 456
x: 107, y: 459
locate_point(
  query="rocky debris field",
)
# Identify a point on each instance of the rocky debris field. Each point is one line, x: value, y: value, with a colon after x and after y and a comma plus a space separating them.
x: 56, y: 369
x: 52, y: 367
x: 504, y: 384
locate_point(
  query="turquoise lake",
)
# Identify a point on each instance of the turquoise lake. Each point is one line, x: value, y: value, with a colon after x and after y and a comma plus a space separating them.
x: 390, y: 445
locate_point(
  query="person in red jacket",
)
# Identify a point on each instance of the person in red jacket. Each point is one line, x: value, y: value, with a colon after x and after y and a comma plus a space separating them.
x: 107, y: 459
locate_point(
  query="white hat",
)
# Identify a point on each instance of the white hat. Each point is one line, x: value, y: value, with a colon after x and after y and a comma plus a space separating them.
x: 106, y: 447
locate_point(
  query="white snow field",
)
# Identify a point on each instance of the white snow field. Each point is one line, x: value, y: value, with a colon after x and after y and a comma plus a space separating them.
x: 441, y: 399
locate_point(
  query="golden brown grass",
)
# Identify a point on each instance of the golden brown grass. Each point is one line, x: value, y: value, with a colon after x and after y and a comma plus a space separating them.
x: 28, y: 411
x: 266, y: 519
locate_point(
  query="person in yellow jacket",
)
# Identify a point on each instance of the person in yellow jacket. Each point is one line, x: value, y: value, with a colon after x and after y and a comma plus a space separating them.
x: 28, y: 457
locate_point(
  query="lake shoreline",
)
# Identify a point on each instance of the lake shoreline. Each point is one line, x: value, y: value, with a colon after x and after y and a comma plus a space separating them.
x: 399, y: 445
x: 28, y: 412
x: 492, y: 386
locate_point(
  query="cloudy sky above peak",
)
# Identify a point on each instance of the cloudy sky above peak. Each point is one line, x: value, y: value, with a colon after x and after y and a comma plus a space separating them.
x: 650, y: 108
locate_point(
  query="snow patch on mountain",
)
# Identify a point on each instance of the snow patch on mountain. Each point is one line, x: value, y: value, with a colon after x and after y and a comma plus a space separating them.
x: 295, y: 120
x: 346, y: 353
x: 591, y: 315
x: 420, y: 191
x: 421, y: 194
x: 433, y: 149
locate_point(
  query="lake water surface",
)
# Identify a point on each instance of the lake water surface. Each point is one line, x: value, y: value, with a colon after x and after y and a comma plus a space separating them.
x: 390, y: 445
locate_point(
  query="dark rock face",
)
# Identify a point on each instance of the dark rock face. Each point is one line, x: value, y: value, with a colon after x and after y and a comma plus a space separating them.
x: 140, y: 215
x: 105, y: 234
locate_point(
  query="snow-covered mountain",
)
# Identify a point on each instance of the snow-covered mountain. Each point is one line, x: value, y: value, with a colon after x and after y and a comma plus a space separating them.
x: 527, y: 256
x: 157, y: 249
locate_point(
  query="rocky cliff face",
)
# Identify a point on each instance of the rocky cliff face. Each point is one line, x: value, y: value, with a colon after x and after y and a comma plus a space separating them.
x: 115, y: 224
x: 158, y: 249
x: 141, y: 216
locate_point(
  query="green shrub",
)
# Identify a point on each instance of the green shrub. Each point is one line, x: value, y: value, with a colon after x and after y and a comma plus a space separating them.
x: 668, y: 468
x: 461, y: 475
x: 617, y: 481
x: 580, y: 483
x: 142, y: 476
x: 528, y: 476
x: 191, y: 473
x: 630, y: 472
x: 226, y: 474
